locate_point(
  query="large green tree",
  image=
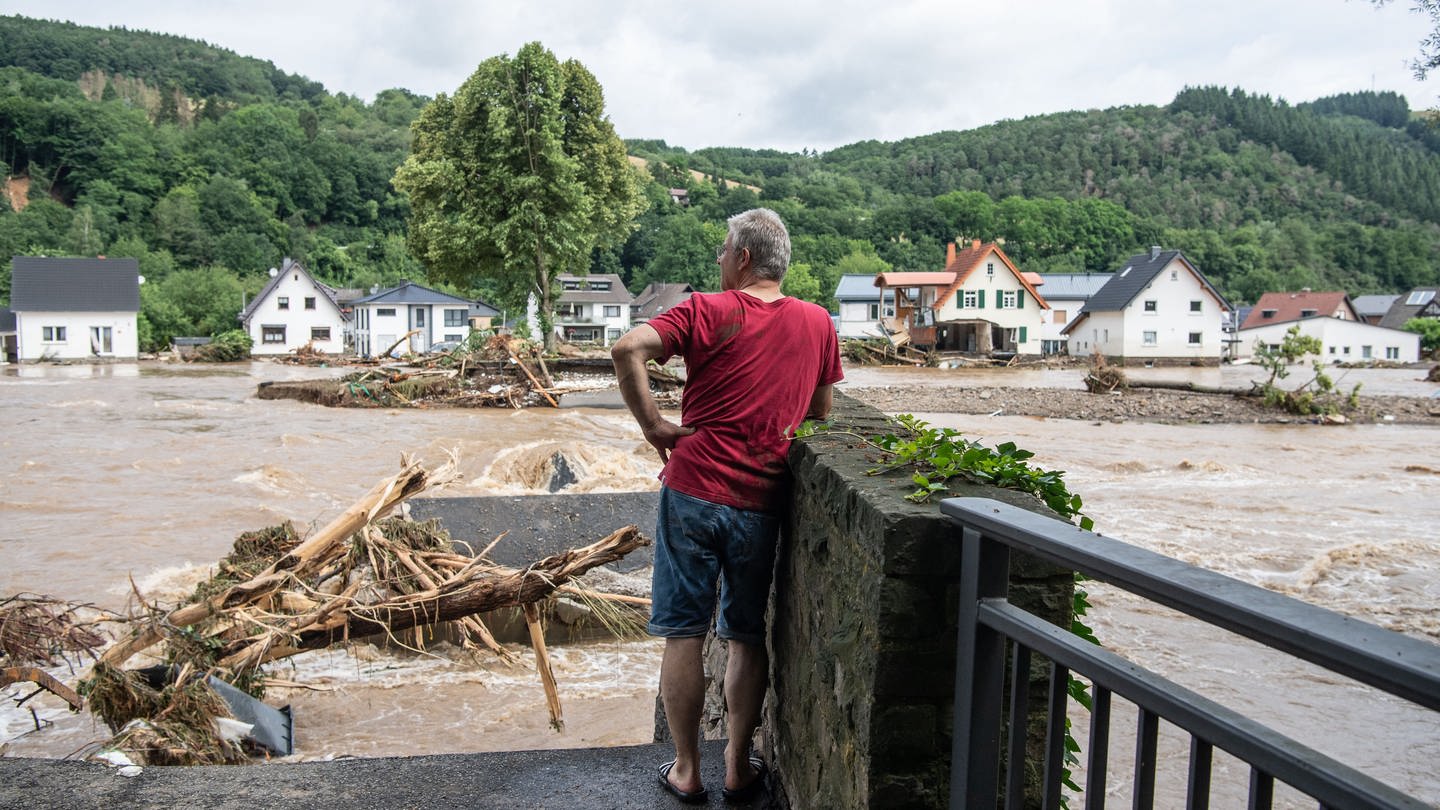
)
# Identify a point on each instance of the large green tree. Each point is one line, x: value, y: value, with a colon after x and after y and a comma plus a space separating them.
x: 518, y: 177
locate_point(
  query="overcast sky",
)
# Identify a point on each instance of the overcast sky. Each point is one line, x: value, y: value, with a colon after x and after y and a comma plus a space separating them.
x: 790, y: 74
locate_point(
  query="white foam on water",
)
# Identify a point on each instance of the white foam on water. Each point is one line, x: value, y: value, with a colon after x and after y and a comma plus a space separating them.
x: 89, y: 404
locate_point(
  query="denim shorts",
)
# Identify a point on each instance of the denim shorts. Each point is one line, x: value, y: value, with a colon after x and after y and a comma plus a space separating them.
x: 697, y: 544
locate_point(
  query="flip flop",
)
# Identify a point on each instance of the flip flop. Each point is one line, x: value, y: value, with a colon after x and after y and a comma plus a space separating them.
x: 687, y: 796
x: 754, y: 788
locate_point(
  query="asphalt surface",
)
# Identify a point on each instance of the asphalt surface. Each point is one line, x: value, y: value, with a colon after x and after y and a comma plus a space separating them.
x: 619, y: 778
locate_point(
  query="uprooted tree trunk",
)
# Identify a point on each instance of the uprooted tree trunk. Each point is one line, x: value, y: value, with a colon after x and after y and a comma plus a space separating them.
x: 361, y: 575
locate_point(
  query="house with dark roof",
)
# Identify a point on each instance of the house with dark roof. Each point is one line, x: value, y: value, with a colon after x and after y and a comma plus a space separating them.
x: 1372, y: 308
x: 657, y: 297
x: 1284, y: 307
x: 415, y: 317
x: 1421, y: 302
x: 295, y: 310
x: 75, y: 309
x: 861, y: 308
x: 1158, y: 308
x: 1066, y: 293
x: 593, y: 308
x: 981, y: 302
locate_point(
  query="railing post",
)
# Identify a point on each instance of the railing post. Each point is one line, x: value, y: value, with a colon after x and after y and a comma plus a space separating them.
x: 979, y: 675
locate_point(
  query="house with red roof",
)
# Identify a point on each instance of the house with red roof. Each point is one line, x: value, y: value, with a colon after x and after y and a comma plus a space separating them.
x: 1329, y: 317
x: 980, y: 303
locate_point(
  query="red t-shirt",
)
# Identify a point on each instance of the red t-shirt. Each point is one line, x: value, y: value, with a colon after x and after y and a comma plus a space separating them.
x: 751, y: 367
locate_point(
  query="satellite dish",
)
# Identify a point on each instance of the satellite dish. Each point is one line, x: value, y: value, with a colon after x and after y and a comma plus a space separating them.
x: 142, y: 279
x: 274, y: 272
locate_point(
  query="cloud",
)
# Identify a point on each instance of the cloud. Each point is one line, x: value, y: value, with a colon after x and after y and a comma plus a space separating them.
x: 817, y: 74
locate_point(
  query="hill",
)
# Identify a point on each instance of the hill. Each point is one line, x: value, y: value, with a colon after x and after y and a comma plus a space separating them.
x: 209, y: 167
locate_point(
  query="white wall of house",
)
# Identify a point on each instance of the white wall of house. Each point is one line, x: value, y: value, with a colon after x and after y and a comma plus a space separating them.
x: 592, y: 321
x: 293, y: 314
x: 1342, y: 341
x: 76, y: 335
x: 379, y: 325
x: 861, y: 318
x: 1100, y: 330
x: 1175, y: 316
x: 992, y: 293
x: 1052, y: 320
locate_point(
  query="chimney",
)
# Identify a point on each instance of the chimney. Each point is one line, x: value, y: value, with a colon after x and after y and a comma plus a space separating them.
x: 1154, y: 252
x: 974, y: 244
x: 949, y: 254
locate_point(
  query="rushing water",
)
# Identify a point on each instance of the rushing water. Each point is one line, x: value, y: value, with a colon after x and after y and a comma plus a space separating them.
x: 150, y: 471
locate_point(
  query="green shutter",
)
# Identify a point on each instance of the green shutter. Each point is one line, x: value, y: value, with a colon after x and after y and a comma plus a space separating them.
x: 1020, y: 304
x: 980, y: 299
x: 1022, y: 334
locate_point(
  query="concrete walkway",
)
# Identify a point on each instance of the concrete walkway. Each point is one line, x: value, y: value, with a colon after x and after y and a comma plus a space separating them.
x: 620, y: 778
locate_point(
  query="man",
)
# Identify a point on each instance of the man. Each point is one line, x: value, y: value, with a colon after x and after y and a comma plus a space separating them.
x: 757, y: 364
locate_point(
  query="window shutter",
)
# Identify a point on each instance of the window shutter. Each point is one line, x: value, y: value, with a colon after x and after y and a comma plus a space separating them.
x: 1020, y: 303
x: 1022, y: 334
x: 980, y: 299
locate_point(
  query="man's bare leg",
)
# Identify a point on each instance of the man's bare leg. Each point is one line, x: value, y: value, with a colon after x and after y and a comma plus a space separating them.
x: 746, y: 671
x: 682, y: 688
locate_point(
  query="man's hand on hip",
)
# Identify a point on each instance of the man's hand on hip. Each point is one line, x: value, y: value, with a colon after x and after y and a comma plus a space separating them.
x: 663, y: 434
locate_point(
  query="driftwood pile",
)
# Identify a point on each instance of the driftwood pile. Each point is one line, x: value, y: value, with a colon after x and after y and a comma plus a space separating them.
x: 504, y: 372
x: 365, y: 574
x: 39, y: 631
x: 881, y: 352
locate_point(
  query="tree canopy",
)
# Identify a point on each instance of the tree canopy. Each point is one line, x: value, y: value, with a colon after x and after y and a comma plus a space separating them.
x: 518, y: 177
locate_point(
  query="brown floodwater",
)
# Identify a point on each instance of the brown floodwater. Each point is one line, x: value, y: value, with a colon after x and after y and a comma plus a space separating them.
x: 148, y: 472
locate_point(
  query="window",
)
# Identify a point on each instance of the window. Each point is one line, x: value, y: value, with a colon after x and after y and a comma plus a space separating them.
x: 385, y: 312
x: 1420, y: 298
x: 1150, y: 338
x: 272, y: 334
x: 1309, y: 313
x: 600, y: 285
x: 1345, y: 350
x: 1194, y: 338
x: 990, y: 268
x: 1332, y: 349
x: 972, y: 299
x: 1151, y: 306
x: 612, y: 334
x: 1007, y: 299
x: 1367, y: 352
x: 1107, y: 335
x: 1174, y: 275
x: 419, y: 317
x: 454, y: 317
x: 570, y: 284
x: 1059, y: 316
x: 612, y: 312
x: 455, y: 337
x: 319, y: 333
x: 1268, y: 313
x: 283, y: 302
x: 52, y: 334
x: 102, y: 340
x: 874, y: 312
x: 1197, y: 306
x: 1392, y: 352
x: 309, y: 303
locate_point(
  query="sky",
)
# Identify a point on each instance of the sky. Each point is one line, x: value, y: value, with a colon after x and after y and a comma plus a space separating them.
x: 799, y: 74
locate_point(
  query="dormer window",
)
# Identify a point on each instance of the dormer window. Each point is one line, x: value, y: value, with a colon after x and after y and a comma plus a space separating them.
x: 1269, y: 313
x: 600, y: 285
x: 1309, y: 313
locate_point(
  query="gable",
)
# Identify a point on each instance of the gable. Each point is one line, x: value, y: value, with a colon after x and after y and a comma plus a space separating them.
x: 286, y: 277
x: 1283, y: 307
x: 43, y: 284
x: 966, y: 262
x: 1138, y: 272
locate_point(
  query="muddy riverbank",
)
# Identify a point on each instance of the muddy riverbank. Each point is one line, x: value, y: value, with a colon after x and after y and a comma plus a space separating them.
x: 1137, y: 405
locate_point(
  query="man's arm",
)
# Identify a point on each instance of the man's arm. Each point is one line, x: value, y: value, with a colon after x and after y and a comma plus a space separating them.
x: 630, y: 353
x: 820, y: 402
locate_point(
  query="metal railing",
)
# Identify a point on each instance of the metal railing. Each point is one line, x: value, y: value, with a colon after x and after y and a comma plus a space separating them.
x: 1399, y: 665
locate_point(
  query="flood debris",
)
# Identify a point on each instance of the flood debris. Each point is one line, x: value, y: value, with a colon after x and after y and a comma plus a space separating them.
x: 500, y: 371
x: 367, y: 573
x: 40, y: 631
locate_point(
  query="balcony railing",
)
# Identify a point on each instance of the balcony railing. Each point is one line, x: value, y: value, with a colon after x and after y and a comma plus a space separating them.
x: 1399, y: 665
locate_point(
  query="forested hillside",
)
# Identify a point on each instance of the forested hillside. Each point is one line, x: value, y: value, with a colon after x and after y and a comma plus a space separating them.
x: 210, y: 167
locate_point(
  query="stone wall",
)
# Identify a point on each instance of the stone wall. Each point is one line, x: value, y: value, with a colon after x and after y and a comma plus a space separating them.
x: 863, y: 628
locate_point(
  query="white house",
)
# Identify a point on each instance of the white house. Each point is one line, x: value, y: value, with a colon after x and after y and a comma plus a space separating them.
x: 75, y: 309
x: 1342, y: 340
x: 8, y: 352
x: 860, y: 306
x: 1158, y: 308
x: 979, y: 303
x: 294, y: 310
x: 1067, y: 293
x: 592, y: 308
x: 415, y: 316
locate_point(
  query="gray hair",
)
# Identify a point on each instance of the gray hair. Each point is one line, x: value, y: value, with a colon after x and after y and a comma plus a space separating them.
x: 761, y: 232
